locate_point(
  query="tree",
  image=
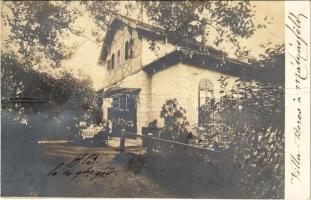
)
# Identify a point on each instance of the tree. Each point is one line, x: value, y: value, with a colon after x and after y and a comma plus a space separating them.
x: 38, y: 34
x: 209, y: 22
x: 272, y: 63
x: 253, y: 117
x: 101, y: 13
x: 18, y: 81
x: 230, y: 21
x: 60, y: 95
x: 39, y: 30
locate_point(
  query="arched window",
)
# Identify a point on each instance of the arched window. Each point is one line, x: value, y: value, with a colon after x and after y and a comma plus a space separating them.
x: 108, y: 64
x: 206, y: 95
x: 118, y: 58
x: 206, y: 92
x: 126, y: 50
x: 112, y: 61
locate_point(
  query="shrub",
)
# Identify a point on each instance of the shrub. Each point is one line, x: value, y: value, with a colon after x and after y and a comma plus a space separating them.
x: 252, y: 119
x: 176, y: 126
x: 248, y: 124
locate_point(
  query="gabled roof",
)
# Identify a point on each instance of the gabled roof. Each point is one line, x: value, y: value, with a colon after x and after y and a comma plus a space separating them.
x: 232, y: 67
x: 153, y: 33
x: 197, y: 59
x: 210, y: 58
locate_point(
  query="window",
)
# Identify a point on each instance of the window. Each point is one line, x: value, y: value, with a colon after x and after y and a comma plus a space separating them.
x: 205, y: 92
x: 206, y: 101
x: 112, y: 61
x: 108, y: 64
x: 127, y: 48
x: 119, y: 58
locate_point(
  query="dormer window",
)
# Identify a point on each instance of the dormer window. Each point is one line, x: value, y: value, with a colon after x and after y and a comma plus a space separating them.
x: 127, y: 49
x: 112, y: 61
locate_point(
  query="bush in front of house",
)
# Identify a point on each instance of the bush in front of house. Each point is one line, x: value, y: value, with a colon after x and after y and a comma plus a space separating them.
x: 176, y: 126
x: 172, y: 163
x: 252, y: 119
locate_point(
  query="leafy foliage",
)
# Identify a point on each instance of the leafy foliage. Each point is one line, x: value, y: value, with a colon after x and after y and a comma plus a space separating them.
x: 101, y: 13
x: 249, y: 118
x: 18, y: 81
x: 249, y: 121
x: 176, y: 126
x: 272, y: 63
x: 39, y: 29
x: 66, y: 97
x: 196, y: 19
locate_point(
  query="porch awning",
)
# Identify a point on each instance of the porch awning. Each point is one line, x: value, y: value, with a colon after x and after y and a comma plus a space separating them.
x: 114, y: 91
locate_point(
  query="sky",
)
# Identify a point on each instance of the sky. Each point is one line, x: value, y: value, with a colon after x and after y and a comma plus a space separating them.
x: 84, y: 61
x: 275, y: 32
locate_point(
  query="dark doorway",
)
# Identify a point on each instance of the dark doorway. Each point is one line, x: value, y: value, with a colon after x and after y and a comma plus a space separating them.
x: 123, y: 113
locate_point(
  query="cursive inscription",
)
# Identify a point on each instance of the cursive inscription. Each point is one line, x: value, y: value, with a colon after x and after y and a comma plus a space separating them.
x: 298, y: 56
x: 82, y: 165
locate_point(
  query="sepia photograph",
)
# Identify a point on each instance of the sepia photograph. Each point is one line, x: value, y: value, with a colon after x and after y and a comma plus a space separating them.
x: 147, y: 99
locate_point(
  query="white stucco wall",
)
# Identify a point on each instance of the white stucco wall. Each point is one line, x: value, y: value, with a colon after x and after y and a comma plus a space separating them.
x: 181, y: 81
x: 167, y: 84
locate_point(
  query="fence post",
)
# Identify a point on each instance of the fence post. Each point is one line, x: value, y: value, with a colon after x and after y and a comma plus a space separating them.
x: 122, y: 140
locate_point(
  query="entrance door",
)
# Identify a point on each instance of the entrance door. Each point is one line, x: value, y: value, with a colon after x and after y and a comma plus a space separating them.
x: 123, y: 113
